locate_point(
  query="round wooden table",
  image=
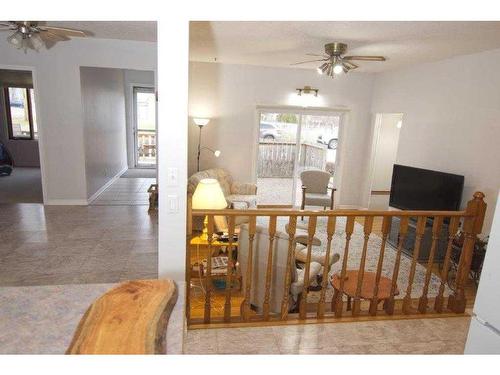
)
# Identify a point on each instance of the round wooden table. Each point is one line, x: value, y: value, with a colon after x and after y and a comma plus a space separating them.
x: 351, y: 284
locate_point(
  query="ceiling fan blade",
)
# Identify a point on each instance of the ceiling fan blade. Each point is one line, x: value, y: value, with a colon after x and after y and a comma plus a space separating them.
x: 365, y: 58
x: 56, y: 37
x: 63, y: 30
x: 49, y: 43
x: 7, y: 24
x: 309, y: 61
x: 349, y: 65
x: 317, y: 54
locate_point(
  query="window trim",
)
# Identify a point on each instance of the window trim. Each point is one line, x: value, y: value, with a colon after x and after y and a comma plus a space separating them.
x: 9, y: 114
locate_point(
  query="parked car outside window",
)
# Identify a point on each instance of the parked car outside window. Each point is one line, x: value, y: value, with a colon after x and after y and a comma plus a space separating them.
x: 269, y: 132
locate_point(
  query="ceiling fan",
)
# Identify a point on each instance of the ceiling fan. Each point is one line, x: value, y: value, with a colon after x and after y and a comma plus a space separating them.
x: 32, y: 35
x: 334, y: 61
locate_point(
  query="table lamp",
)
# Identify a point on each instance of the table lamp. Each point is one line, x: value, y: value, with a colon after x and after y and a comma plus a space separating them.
x: 208, y: 196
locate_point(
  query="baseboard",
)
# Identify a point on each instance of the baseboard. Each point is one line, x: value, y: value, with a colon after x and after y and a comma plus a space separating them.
x: 65, y: 202
x: 106, y: 185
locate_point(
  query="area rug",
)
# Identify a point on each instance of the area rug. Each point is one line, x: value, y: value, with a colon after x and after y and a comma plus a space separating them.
x: 354, y: 257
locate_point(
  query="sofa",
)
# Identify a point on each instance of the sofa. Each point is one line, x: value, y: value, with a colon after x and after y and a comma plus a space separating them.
x: 238, y: 195
x: 233, y: 191
x: 259, y: 267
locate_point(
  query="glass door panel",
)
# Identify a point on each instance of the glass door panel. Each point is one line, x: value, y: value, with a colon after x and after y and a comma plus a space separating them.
x: 318, y: 146
x: 145, y: 127
x: 276, y: 159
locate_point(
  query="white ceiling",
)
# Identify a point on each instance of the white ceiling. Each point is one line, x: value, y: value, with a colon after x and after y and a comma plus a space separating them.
x: 126, y: 30
x: 282, y: 43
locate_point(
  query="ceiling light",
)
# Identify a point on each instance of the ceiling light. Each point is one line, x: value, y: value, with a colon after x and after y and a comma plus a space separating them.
x: 217, y: 153
x: 338, y: 68
x: 36, y: 42
x: 16, y: 39
x: 323, y: 68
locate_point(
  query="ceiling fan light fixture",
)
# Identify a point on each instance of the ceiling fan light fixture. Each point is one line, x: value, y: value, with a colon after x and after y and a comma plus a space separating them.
x: 37, y: 42
x: 338, y: 68
x: 16, y: 39
x: 323, y: 68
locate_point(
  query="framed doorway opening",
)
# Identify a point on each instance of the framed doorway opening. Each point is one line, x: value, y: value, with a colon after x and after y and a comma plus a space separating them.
x: 144, y: 130
x: 289, y: 141
x: 385, y: 142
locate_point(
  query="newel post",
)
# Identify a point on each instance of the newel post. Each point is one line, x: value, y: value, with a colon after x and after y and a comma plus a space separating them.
x: 473, y: 225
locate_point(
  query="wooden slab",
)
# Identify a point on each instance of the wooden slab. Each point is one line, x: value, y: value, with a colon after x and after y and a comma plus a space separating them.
x: 129, y: 319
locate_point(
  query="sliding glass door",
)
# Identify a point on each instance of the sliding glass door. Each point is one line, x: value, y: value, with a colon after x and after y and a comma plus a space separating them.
x: 289, y: 143
x: 145, y: 127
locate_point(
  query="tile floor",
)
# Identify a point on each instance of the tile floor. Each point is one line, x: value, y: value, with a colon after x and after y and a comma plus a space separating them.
x: 94, y: 245
x: 42, y: 319
x: 49, y: 245
x: 126, y: 191
x: 419, y: 336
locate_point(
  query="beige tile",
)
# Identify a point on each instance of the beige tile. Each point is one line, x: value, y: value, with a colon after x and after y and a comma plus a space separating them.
x: 246, y: 341
x: 73, y: 244
x: 202, y: 341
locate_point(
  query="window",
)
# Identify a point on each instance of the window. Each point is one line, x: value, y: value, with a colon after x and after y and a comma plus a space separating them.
x: 21, y: 117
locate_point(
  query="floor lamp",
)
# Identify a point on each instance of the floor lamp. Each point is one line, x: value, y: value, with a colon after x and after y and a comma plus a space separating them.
x: 201, y: 122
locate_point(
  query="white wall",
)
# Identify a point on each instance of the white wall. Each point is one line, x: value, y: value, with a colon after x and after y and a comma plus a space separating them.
x: 134, y: 78
x: 103, y: 99
x: 451, y: 119
x: 229, y: 95
x: 58, y: 94
x: 24, y: 152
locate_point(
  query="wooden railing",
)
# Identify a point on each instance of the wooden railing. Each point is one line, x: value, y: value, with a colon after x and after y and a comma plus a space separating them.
x: 396, y: 302
x: 146, y: 143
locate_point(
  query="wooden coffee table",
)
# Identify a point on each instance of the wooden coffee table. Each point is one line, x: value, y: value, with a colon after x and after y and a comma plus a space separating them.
x: 351, y: 284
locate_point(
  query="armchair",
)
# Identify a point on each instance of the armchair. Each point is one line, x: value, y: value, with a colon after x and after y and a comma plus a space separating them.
x: 315, y: 189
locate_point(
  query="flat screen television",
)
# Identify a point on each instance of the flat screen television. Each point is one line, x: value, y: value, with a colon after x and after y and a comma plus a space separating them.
x: 423, y: 189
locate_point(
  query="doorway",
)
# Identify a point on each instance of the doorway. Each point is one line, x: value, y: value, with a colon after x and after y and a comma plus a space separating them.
x: 20, y: 170
x: 384, y: 153
x: 289, y: 142
x: 144, y: 127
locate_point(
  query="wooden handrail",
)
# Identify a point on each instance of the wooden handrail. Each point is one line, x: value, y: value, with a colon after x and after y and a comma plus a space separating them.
x: 365, y: 287
x: 347, y: 213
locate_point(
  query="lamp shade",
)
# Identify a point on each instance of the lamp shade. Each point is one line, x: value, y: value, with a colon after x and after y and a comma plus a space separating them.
x: 208, y: 195
x: 201, y: 121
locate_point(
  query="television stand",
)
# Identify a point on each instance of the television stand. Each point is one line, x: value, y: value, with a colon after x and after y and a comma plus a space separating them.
x: 425, y: 247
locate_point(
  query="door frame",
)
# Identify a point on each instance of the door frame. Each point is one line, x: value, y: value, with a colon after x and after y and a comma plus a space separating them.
x: 320, y: 111
x: 150, y: 89
x: 40, y: 125
x: 376, y: 127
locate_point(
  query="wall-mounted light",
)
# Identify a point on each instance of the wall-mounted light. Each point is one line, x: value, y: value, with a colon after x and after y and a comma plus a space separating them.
x: 308, y: 90
x: 399, y: 124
